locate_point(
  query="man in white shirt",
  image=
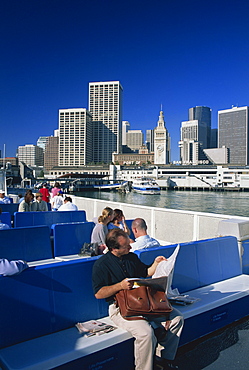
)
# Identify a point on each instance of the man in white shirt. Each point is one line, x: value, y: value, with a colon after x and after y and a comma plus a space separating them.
x: 142, y: 239
x: 68, y: 205
x: 3, y: 198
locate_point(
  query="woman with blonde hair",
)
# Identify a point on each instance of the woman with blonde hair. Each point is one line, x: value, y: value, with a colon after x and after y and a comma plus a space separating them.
x: 100, y: 229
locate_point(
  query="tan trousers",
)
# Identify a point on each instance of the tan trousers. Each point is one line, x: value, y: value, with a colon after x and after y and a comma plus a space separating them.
x: 145, y: 340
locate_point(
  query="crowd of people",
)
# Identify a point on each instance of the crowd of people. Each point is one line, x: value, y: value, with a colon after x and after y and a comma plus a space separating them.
x: 38, y: 202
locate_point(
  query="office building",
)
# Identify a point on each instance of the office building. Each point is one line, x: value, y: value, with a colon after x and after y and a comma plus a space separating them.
x: 134, y: 139
x: 191, y: 145
x: 51, y: 152
x: 150, y: 140
x: 125, y: 128
x: 75, y: 137
x: 105, y: 105
x: 31, y: 155
x: 161, y: 142
x: 233, y: 134
x: 41, y: 142
x: 203, y: 115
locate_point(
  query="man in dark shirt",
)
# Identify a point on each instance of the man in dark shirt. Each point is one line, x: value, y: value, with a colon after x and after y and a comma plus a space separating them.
x: 110, y: 273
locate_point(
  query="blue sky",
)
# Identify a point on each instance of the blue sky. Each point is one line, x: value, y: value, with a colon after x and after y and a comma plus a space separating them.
x: 176, y: 53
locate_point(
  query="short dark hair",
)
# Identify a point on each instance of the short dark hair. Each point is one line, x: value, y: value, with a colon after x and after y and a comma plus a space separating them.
x: 112, y: 238
x: 68, y: 199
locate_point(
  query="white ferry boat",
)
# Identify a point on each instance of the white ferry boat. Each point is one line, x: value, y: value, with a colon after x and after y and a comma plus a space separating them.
x: 145, y: 186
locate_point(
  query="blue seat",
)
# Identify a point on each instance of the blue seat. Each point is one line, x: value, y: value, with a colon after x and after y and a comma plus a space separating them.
x: 6, y: 218
x: 22, y: 219
x: 209, y: 270
x: 26, y: 243
x: 11, y: 208
x: 69, y: 237
x: 38, y: 312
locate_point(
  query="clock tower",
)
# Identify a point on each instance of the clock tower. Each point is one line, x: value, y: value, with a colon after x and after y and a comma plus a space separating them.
x: 161, y: 142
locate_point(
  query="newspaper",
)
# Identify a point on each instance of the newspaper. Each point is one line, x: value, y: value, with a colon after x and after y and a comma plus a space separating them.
x: 94, y: 327
x: 166, y: 268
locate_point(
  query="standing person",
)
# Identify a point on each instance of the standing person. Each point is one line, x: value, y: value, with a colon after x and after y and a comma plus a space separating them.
x: 45, y: 192
x: 100, y: 229
x: 3, y: 198
x: 57, y: 201
x: 40, y: 205
x: 55, y: 189
x: 27, y: 205
x: 68, y: 205
x: 110, y: 273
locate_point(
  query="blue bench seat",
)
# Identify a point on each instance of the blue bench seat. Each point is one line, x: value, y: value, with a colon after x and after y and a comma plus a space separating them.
x: 69, y: 346
x: 211, y: 271
x: 69, y: 238
x: 22, y: 219
x: 26, y: 243
x: 38, y: 312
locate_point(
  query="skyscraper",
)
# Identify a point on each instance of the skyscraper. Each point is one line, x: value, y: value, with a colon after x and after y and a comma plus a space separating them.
x: 51, y: 152
x: 150, y: 140
x: 161, y: 142
x: 105, y: 105
x: 31, y: 155
x: 125, y: 128
x: 134, y: 139
x: 75, y: 137
x: 233, y: 125
x: 203, y: 115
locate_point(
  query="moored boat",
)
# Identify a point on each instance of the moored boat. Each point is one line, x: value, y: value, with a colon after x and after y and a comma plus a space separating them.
x: 145, y: 186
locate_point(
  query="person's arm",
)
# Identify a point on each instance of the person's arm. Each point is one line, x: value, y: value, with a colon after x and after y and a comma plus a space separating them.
x: 108, y: 291
x: 152, y: 268
x: 11, y: 267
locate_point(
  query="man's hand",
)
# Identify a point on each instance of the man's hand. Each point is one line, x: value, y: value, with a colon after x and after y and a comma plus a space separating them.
x: 159, y: 259
x: 126, y: 285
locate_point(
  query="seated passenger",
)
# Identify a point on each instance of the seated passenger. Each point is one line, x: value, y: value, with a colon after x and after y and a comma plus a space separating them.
x: 40, y: 205
x: 142, y: 239
x: 12, y: 267
x: 100, y: 229
x: 3, y: 198
x: 109, y: 276
x: 68, y: 205
x: 27, y: 205
x: 57, y: 201
x: 2, y: 225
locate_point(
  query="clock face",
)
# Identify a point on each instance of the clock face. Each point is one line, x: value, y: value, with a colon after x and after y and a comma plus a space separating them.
x: 160, y: 148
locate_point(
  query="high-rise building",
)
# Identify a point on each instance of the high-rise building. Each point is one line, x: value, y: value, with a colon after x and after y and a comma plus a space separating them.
x: 233, y: 133
x: 134, y: 139
x: 105, y: 105
x: 161, y: 142
x: 150, y: 140
x: 125, y: 128
x: 41, y: 142
x: 75, y: 137
x: 203, y: 115
x: 191, y: 145
x: 31, y: 155
x: 51, y: 152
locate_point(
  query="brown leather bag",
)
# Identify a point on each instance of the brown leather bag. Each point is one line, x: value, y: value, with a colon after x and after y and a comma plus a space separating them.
x: 142, y: 301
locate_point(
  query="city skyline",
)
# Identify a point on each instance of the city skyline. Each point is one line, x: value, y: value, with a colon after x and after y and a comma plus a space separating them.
x: 179, y: 54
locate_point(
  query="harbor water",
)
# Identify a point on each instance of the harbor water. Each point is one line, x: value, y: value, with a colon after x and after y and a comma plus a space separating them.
x: 228, y: 202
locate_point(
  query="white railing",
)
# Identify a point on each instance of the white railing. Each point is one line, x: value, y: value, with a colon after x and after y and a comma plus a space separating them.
x: 170, y: 225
